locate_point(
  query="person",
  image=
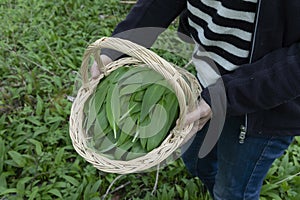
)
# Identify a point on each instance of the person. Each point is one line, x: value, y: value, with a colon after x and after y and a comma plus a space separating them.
x: 249, y: 50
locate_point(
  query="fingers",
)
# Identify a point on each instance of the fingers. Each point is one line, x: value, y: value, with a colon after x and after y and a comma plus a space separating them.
x: 202, y: 111
x: 199, y: 117
x: 206, y: 110
x: 198, y: 125
x: 95, y: 71
x: 202, y: 122
x: 193, y: 116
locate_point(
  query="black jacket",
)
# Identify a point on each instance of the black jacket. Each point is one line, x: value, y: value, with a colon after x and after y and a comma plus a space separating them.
x: 267, y: 90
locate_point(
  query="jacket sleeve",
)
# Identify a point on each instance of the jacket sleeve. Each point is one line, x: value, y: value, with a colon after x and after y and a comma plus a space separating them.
x: 146, y: 20
x: 269, y: 82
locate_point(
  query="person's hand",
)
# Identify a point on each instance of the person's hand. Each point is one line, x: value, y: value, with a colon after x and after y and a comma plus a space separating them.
x: 95, y: 71
x: 199, y: 116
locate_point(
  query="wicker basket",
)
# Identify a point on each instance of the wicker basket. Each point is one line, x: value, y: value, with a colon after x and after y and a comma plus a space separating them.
x: 184, y: 84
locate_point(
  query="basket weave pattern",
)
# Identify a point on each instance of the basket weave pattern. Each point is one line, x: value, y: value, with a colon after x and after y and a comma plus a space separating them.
x: 184, y: 84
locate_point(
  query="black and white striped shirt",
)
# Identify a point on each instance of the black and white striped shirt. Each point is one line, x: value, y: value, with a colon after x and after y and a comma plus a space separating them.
x: 223, y: 31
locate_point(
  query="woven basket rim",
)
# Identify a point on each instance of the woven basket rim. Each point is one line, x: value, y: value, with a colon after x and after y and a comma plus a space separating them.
x: 187, y: 94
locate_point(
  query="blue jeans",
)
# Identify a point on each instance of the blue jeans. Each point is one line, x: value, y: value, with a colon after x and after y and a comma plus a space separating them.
x: 233, y: 170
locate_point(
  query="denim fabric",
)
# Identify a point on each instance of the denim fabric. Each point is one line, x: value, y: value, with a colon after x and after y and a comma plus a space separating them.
x: 233, y: 170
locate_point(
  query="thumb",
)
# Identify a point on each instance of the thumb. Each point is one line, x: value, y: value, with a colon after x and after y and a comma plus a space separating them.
x: 95, y: 70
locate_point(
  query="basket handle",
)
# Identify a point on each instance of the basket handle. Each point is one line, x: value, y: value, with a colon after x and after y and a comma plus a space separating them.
x: 144, y: 55
x: 127, y: 47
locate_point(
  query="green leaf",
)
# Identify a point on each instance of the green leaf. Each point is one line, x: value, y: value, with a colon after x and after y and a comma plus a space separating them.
x: 3, y: 176
x: 59, y: 108
x: 80, y: 188
x: 96, y: 186
x: 2, y: 153
x: 55, y: 192
x: 59, y: 155
x: 38, y: 146
x: 285, y: 161
x: 57, y: 81
x: 100, y: 95
x: 138, y: 96
x: 101, y: 121
x: 123, y: 138
x: 179, y: 190
x: 95, y: 198
x: 144, y: 142
x: 118, y: 73
x: 33, y: 120
x: 9, y: 191
x: 71, y: 180
x: 136, y: 151
x: 297, y: 139
x: 107, y: 143
x: 135, y: 107
x: 2, y: 120
x: 60, y: 184
x: 98, y: 132
x: 128, y: 125
x: 143, y: 77
x: 155, y: 131
x: 40, y: 130
x: 274, y: 196
x: 132, y: 71
x: 186, y: 195
x: 266, y: 188
x: 152, y: 95
x: 91, y: 113
x: 56, y: 119
x: 130, y: 89
x: 113, y: 107
x: 39, y: 105
x: 34, y: 192
x: 87, y: 191
x: 172, y: 107
x: 122, y: 149
x: 17, y: 158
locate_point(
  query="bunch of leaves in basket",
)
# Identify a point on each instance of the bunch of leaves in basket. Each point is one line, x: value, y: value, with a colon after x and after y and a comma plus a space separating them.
x: 130, y: 113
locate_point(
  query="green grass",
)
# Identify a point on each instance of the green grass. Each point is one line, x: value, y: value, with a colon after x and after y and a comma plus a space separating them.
x: 41, y: 47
